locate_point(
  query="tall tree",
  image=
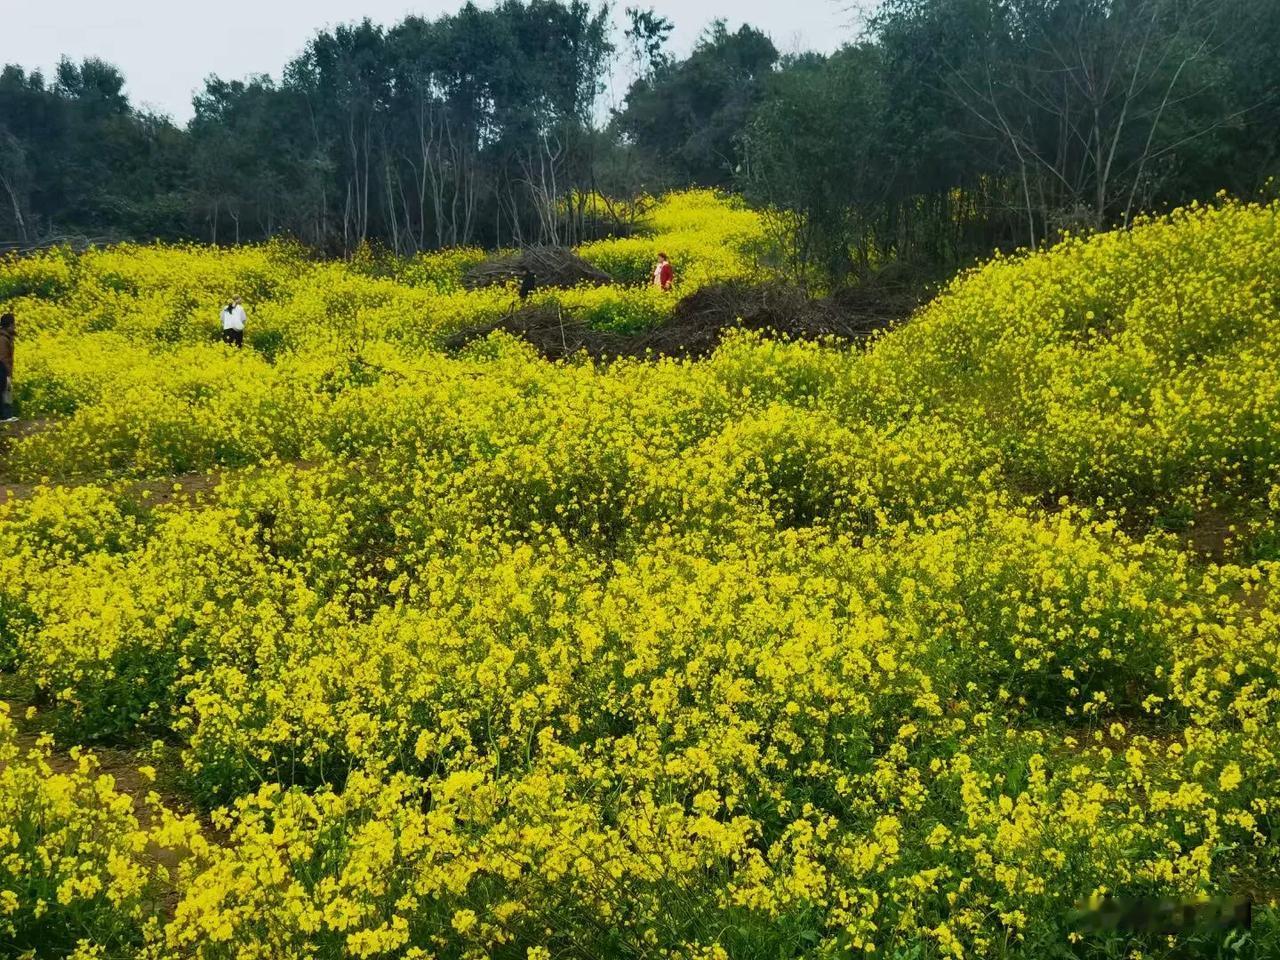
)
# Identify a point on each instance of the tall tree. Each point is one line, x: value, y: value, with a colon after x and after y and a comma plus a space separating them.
x: 815, y: 158
x: 76, y: 158
x: 688, y: 116
x: 1080, y: 101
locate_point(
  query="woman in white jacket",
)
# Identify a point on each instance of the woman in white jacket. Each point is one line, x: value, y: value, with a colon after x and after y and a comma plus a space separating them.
x: 233, y: 318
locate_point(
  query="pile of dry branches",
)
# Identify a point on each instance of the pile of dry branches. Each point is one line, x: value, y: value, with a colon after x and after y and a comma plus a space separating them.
x: 550, y: 266
x: 698, y: 323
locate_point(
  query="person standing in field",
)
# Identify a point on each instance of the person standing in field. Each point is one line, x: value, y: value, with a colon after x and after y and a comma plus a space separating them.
x: 233, y: 318
x: 663, y: 274
x: 8, y: 333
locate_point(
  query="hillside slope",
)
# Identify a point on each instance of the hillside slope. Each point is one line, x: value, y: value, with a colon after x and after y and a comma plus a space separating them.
x: 791, y: 652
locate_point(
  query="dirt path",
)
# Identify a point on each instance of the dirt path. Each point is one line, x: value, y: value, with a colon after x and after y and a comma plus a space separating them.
x: 160, y: 491
x: 11, y: 433
x: 125, y: 769
x: 124, y: 766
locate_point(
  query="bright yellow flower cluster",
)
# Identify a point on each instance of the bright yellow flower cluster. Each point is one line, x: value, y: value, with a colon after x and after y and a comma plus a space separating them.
x: 709, y: 238
x: 797, y: 651
x: 1139, y: 367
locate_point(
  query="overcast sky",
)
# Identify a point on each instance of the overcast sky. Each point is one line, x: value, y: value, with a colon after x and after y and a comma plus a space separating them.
x: 167, y: 47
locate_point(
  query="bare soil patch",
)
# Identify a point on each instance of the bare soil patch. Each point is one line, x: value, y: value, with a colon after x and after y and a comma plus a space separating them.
x: 182, y: 488
x: 1211, y: 535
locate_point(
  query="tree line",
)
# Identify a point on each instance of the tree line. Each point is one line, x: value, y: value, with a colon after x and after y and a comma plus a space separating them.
x: 958, y: 126
x: 948, y: 128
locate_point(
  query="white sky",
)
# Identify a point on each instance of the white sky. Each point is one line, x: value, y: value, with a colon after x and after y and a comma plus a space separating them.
x: 167, y: 47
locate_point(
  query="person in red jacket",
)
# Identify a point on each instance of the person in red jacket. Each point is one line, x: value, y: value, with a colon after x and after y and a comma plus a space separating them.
x: 663, y: 275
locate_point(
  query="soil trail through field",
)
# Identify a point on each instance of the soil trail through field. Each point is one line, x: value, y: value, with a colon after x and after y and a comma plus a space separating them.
x: 159, y: 491
x: 11, y: 433
x: 125, y: 769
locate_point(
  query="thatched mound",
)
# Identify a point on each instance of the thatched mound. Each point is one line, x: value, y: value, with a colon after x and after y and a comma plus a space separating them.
x: 550, y: 266
x: 699, y: 321
x: 554, y: 333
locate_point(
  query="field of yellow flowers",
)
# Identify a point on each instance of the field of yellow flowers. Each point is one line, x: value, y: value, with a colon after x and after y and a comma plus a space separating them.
x: 796, y: 651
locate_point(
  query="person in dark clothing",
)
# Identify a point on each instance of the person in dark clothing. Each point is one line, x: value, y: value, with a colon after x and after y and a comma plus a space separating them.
x: 8, y: 333
x: 527, y: 284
